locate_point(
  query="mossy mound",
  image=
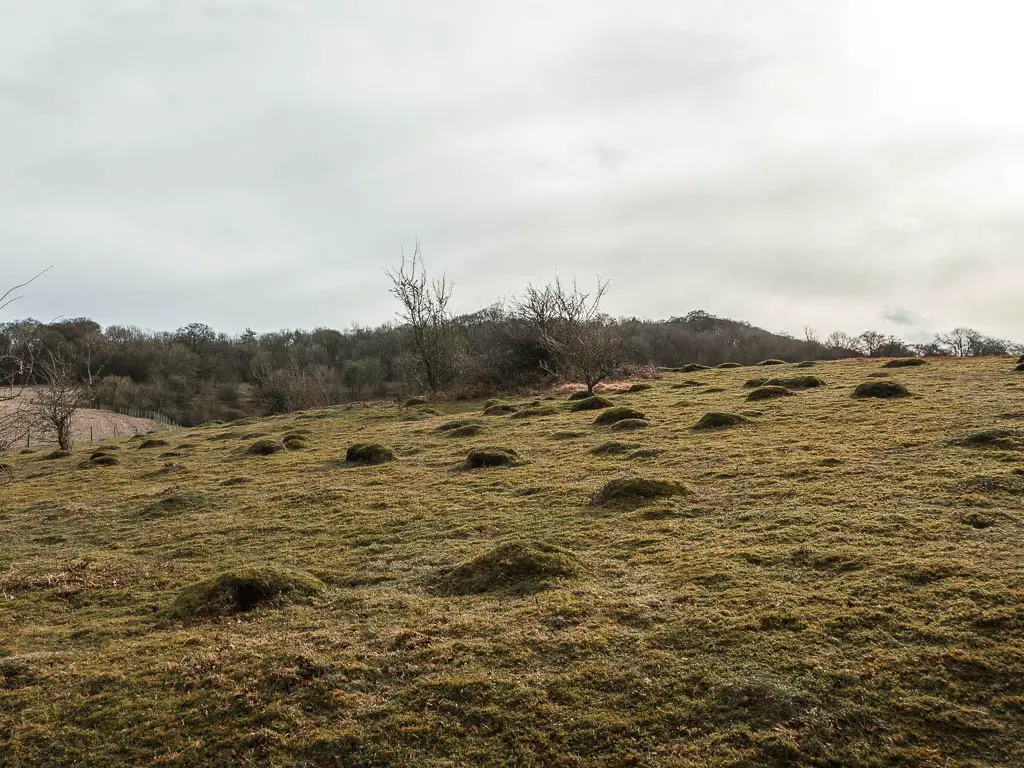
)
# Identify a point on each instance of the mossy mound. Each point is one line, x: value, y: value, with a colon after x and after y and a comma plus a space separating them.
x: 618, y: 413
x: 500, y: 409
x: 172, y: 504
x: 470, y: 430
x: 521, y: 567
x: 301, y: 434
x: 266, y: 447
x: 103, y: 459
x: 482, y: 458
x: 243, y: 589
x: 691, y: 367
x: 1004, y: 438
x: 720, y: 420
x: 569, y: 434
x: 236, y: 481
x: 630, y: 425
x: 450, y: 426
x: 580, y: 394
x: 758, y: 382
x: 687, y: 383
x: 807, y: 364
x: 368, y: 453
x: 153, y: 442
x: 729, y: 365
x: 632, y: 491
x: 414, y: 401
x: 612, y: 448
x: 905, y: 362
x: 884, y: 389
x: 769, y: 393
x: 111, y: 448
x: 295, y: 443
x: 540, y: 410
x: 796, y: 382
x: 1019, y: 367
x: 592, y: 403
x: 772, y: 361
x: 639, y: 387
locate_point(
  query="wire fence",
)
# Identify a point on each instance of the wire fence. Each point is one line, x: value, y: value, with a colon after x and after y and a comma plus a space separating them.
x: 136, y: 413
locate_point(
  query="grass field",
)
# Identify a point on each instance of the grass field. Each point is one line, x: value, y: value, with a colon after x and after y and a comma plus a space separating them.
x: 833, y: 581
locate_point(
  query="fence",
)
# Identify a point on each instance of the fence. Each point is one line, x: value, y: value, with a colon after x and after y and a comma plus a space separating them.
x: 137, y: 414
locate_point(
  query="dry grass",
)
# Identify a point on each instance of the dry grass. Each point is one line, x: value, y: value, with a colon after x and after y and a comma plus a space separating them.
x: 842, y: 585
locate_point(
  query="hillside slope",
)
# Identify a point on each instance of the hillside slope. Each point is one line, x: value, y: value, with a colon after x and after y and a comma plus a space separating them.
x: 831, y: 581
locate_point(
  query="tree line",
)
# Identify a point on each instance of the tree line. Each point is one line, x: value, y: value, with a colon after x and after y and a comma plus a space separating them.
x: 547, y: 333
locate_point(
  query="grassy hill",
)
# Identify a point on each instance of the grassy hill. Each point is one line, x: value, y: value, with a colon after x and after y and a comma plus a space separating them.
x: 832, y: 580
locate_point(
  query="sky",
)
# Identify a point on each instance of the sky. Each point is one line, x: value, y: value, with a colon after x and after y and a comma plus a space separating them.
x: 850, y: 164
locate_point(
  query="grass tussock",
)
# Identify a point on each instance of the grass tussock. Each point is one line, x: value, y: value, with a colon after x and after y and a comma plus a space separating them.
x: 630, y: 425
x: 796, y: 382
x: 153, y: 442
x: 720, y: 420
x: 692, y: 367
x: 499, y: 408
x: 265, y: 447
x: 807, y: 364
x: 592, y: 403
x: 367, y: 454
x: 632, y: 491
x: 412, y: 402
x: 613, y: 448
x: 469, y: 430
x: 618, y: 413
x: 1019, y: 367
x: 729, y: 365
x: 521, y: 567
x: 483, y: 458
x: 769, y: 393
x: 1004, y: 438
x: 535, y: 411
x: 451, y: 426
x: 103, y: 459
x: 905, y: 362
x: 881, y: 389
x: 241, y: 590
x: 772, y: 361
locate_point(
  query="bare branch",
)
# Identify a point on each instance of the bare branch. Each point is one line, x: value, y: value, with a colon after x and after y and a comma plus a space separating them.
x: 7, y: 298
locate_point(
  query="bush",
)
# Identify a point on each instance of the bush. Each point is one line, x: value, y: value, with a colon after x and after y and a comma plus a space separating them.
x: 481, y: 458
x: 243, y: 589
x: 630, y: 491
x: 796, y: 382
x: 728, y: 365
x: 720, y: 420
x: 368, y: 453
x: 905, y: 362
x: 520, y: 567
x: 885, y: 389
x: 630, y: 425
x: 593, y: 403
x: 769, y: 393
x: 618, y: 413
x: 264, y: 448
x: 772, y: 361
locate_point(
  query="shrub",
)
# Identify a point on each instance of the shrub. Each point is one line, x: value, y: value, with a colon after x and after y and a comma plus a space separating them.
x: 481, y: 458
x: 631, y: 491
x: 728, y: 365
x: 153, y: 442
x: 885, y: 389
x: 905, y: 362
x: 772, y: 361
x: 243, y: 589
x: 630, y: 425
x: 796, y: 382
x: 618, y: 413
x: 593, y: 403
x: 520, y: 567
x: 769, y: 393
x: 368, y: 453
x: 720, y: 420
x: 265, y: 448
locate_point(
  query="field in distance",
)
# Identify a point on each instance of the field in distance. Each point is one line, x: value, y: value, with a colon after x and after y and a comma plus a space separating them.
x: 805, y: 577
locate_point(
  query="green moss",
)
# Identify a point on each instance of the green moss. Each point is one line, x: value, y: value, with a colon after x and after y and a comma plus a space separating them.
x: 638, y: 387
x: 243, y: 589
x: 521, y: 567
x: 580, y: 394
x: 449, y: 426
x: 499, y: 408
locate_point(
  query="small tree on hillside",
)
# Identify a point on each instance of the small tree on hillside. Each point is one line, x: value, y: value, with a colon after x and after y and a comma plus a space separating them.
x: 582, y: 342
x: 431, y: 340
x: 60, y: 397
x: 15, y: 411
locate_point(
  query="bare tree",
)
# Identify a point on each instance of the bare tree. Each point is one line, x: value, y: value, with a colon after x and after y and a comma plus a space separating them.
x: 432, y: 342
x: 15, y: 411
x: 60, y: 397
x: 582, y: 342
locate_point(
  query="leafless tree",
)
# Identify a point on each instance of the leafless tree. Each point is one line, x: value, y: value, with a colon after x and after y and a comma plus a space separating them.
x: 582, y: 342
x: 60, y: 397
x: 15, y: 411
x: 432, y: 342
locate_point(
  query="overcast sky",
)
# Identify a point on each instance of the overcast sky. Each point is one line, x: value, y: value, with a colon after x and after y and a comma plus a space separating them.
x: 843, y: 164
